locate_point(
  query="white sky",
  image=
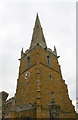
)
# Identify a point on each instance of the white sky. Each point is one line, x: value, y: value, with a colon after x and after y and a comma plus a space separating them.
x: 17, y: 19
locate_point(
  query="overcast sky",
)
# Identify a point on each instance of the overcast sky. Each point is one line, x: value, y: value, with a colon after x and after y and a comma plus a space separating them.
x: 17, y: 19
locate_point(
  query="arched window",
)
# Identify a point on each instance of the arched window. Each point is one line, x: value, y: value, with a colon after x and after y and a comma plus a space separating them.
x: 50, y: 77
x: 48, y: 60
x: 28, y: 61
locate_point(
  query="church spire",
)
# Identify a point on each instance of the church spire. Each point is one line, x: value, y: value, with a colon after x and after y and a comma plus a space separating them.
x: 38, y: 36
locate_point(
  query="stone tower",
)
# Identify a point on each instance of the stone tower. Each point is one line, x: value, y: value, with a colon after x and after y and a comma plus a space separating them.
x: 41, y: 89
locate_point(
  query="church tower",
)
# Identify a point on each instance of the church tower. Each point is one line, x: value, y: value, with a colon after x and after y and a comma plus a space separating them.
x: 41, y: 90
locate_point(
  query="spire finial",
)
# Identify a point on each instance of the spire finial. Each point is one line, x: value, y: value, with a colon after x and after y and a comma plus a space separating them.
x: 37, y: 14
x: 22, y: 52
x: 22, y: 49
x: 55, y: 51
x: 54, y: 48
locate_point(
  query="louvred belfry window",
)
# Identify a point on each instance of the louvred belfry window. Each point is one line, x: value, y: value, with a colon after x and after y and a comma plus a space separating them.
x: 48, y: 59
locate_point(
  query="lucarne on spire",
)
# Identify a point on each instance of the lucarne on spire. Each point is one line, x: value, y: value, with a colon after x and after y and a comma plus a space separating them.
x: 38, y: 36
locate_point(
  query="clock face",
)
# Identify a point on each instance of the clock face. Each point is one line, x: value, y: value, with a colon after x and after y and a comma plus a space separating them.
x: 27, y: 75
